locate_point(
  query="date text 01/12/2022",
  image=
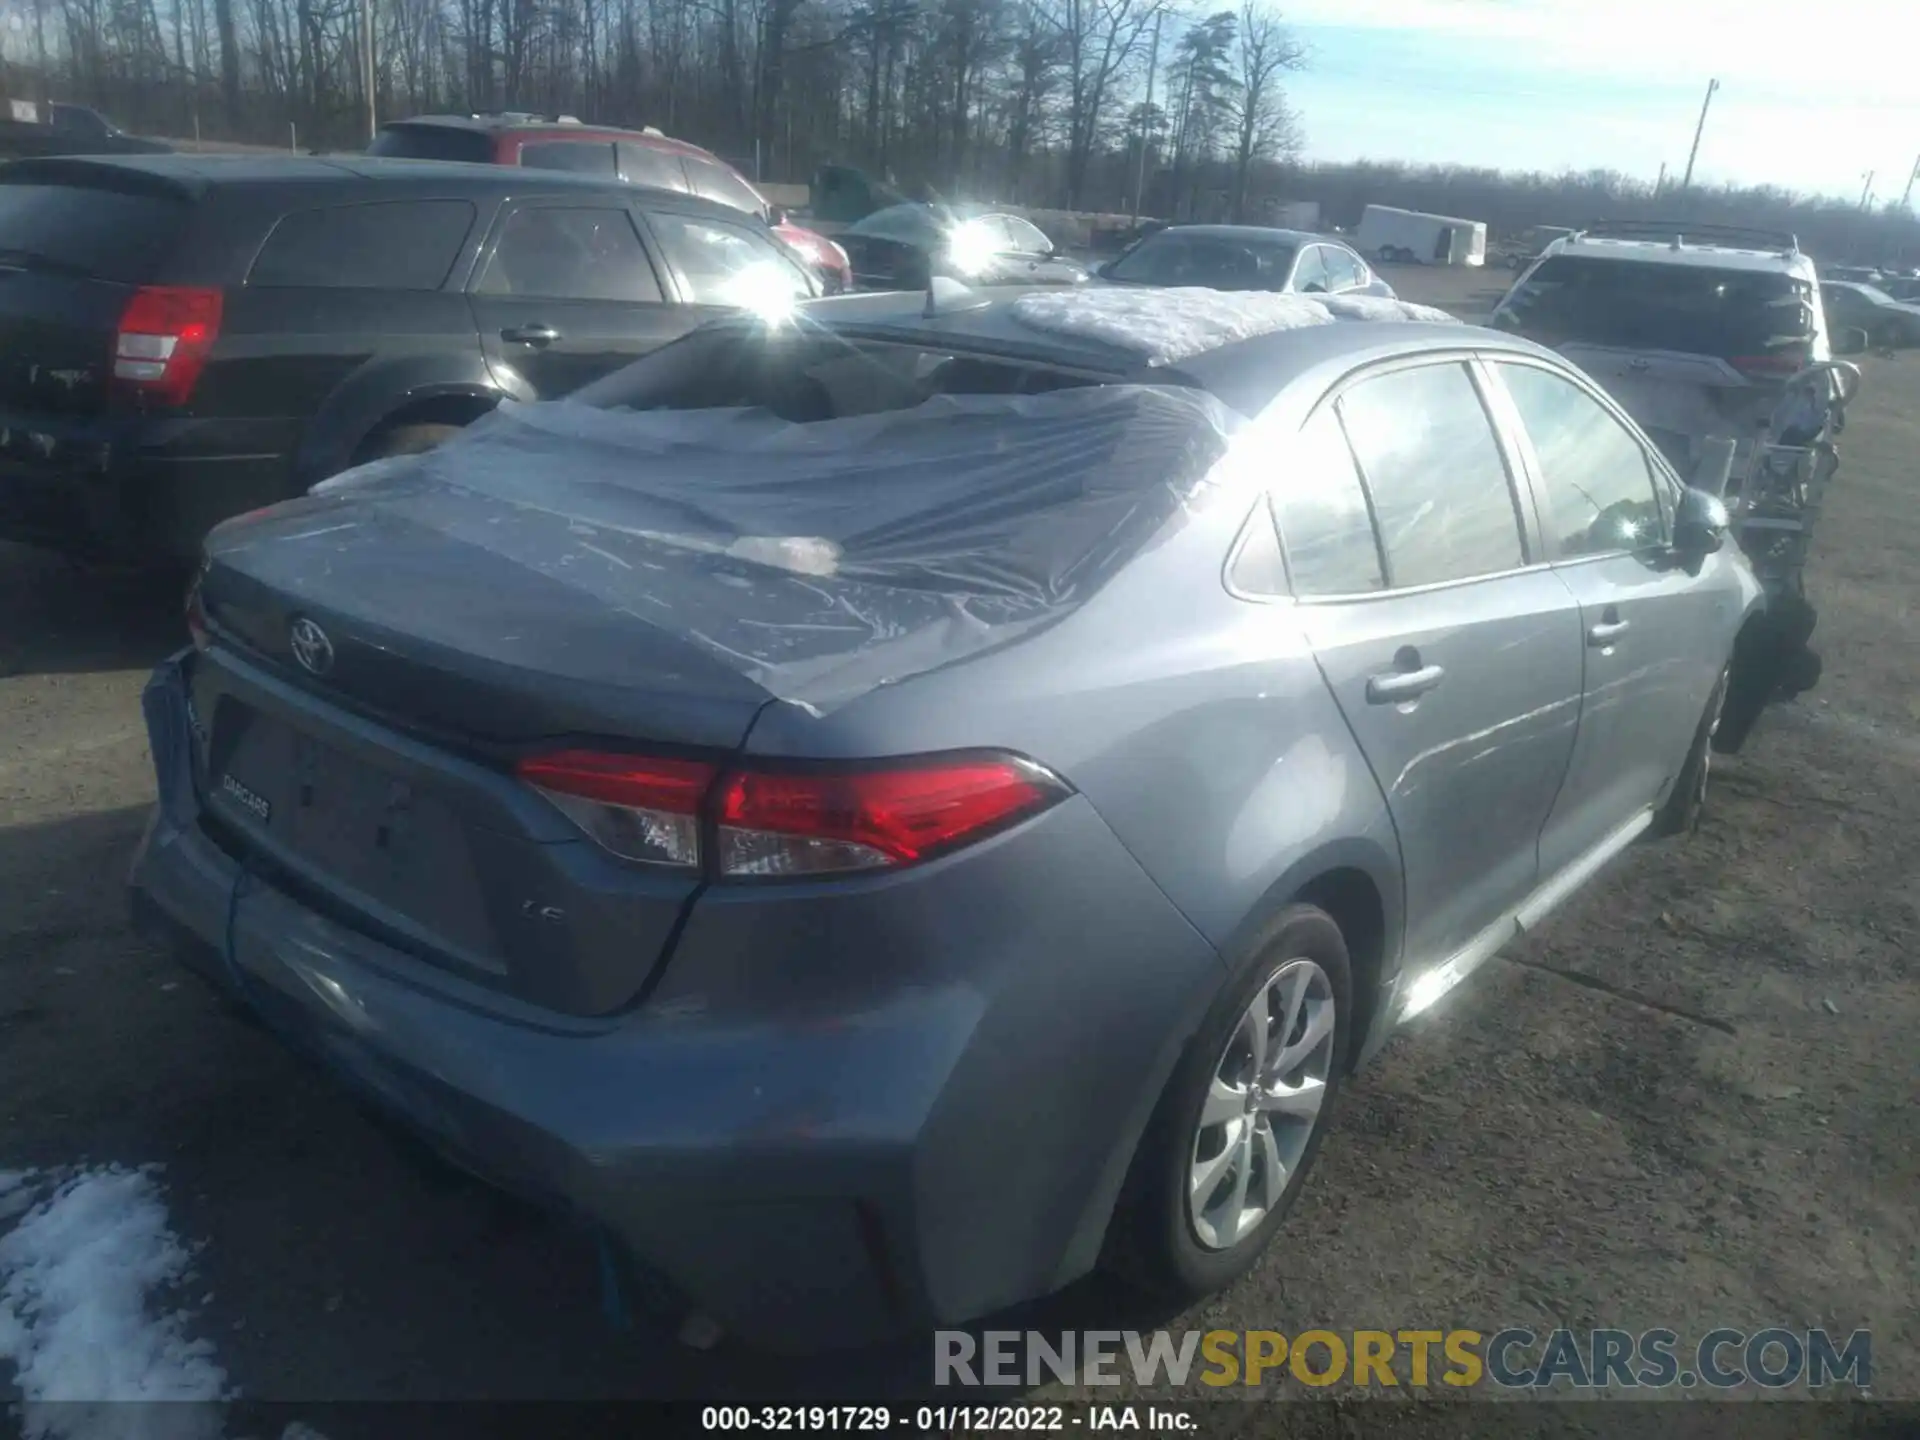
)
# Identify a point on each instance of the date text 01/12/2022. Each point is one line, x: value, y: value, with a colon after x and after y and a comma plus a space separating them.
x: 943, y: 1419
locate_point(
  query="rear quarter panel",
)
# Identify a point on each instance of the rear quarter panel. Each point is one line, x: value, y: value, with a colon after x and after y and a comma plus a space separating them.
x: 1196, y: 722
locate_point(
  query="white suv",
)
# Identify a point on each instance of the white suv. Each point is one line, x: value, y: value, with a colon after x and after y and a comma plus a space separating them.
x: 1695, y: 329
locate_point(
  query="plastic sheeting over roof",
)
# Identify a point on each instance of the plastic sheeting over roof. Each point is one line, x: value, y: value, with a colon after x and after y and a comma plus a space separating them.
x: 817, y: 560
x: 1166, y: 326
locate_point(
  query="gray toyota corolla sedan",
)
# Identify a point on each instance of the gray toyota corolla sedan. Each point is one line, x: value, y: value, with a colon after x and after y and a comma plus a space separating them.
x: 885, y: 811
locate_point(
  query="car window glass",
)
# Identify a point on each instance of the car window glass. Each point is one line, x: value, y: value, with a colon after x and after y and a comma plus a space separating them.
x: 1599, y: 488
x: 568, y: 254
x: 644, y: 165
x: 1439, y: 486
x: 717, y: 182
x: 581, y: 157
x: 1177, y: 257
x: 433, y: 142
x: 1025, y: 238
x: 400, y: 245
x: 1311, y: 273
x: 1344, y: 267
x: 1258, y: 568
x: 1324, y: 523
x: 722, y: 264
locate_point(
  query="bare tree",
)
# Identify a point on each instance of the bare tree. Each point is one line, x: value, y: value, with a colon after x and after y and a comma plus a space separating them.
x: 1264, y: 126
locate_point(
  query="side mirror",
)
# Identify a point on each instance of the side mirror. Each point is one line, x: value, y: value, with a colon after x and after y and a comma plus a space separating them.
x: 777, y: 215
x: 1850, y: 341
x: 1700, y: 525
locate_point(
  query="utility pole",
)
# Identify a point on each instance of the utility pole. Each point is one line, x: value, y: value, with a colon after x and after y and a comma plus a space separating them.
x: 1660, y: 184
x: 44, y: 93
x: 1146, y: 118
x: 1686, y: 182
x: 1866, y: 190
x: 366, y: 33
x: 1907, y: 194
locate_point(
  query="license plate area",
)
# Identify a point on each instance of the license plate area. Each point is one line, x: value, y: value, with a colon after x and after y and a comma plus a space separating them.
x: 371, y: 837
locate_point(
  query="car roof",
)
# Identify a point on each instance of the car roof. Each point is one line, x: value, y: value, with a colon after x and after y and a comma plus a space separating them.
x: 1245, y: 374
x: 1683, y: 252
x: 196, y: 175
x: 542, y: 125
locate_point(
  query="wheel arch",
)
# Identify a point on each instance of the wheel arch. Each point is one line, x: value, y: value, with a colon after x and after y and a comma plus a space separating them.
x: 460, y: 406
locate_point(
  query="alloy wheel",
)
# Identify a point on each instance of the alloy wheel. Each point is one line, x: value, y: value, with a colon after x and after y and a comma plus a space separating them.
x: 1261, y: 1106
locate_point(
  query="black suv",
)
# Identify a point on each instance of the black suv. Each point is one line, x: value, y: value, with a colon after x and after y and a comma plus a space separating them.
x: 183, y: 338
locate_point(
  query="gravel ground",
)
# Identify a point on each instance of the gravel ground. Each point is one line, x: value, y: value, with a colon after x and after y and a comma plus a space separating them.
x: 1688, y: 1104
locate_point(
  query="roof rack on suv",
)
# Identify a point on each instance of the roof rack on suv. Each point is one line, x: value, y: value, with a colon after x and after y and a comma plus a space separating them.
x: 1681, y: 231
x: 525, y: 117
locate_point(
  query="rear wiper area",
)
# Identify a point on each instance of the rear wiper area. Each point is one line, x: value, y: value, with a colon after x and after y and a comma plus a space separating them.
x: 44, y: 264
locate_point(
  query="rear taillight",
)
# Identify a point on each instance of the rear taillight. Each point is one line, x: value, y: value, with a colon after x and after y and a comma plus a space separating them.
x: 778, y: 822
x: 166, y: 334
x: 1776, y: 366
x: 639, y: 807
x: 197, y: 629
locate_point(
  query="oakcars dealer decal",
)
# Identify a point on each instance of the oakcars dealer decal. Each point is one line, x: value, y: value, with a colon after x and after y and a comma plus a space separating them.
x: 260, y: 808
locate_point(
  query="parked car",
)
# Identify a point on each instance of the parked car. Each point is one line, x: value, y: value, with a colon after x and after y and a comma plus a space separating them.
x: 640, y: 157
x: 1852, y: 274
x: 826, y: 804
x: 73, y: 130
x: 1905, y: 288
x: 1888, y: 322
x: 186, y: 337
x: 904, y: 246
x: 1244, y: 257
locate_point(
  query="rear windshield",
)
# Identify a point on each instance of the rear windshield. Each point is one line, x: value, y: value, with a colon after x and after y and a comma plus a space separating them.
x: 1688, y: 308
x: 103, y: 234
x: 806, y: 378
x: 433, y: 142
x: 1216, y: 262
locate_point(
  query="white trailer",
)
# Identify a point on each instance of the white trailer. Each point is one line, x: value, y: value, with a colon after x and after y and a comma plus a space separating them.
x: 1413, y: 237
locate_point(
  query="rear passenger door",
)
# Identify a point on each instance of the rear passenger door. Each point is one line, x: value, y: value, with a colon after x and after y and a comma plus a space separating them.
x: 1455, y: 659
x: 1653, y: 637
x: 566, y: 291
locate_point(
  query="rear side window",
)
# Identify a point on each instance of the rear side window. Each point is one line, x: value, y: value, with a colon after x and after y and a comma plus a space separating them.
x: 1439, y: 486
x: 433, y: 142
x: 556, y: 253
x: 718, y: 263
x: 1323, y: 515
x: 1311, y: 273
x: 717, y: 182
x: 577, y: 156
x: 1730, y: 314
x: 644, y: 165
x: 106, y: 234
x: 1600, y: 489
x: 391, y: 245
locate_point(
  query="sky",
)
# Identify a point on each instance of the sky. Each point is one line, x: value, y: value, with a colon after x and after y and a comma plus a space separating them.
x: 1811, y: 97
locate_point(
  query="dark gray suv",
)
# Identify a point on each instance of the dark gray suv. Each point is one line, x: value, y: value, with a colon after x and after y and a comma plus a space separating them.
x: 883, y: 813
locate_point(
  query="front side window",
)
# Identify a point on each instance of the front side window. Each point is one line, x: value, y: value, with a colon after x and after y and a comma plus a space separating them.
x: 1025, y: 238
x: 1180, y: 257
x: 1322, y: 510
x: 1599, y: 488
x: 1440, y: 489
x: 558, y: 253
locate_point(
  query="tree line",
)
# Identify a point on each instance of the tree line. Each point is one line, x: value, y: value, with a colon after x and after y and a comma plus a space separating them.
x: 1078, y: 104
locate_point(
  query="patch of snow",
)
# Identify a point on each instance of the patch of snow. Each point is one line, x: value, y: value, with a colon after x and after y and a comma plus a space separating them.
x: 80, y: 1274
x: 1168, y: 325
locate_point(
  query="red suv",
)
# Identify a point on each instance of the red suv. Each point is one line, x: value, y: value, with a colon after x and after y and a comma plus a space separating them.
x: 640, y: 157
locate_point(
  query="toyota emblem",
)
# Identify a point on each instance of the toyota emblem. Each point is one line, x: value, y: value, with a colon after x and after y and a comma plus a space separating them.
x: 311, y: 647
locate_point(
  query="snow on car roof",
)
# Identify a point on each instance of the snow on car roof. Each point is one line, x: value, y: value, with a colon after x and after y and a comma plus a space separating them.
x: 1167, y: 326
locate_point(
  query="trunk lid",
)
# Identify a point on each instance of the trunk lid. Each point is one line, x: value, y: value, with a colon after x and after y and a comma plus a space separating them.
x: 75, y: 244
x: 380, y: 791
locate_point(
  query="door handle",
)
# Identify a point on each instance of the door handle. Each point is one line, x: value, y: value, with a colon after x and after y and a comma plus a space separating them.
x: 1606, y: 632
x: 1398, y: 685
x: 530, y: 335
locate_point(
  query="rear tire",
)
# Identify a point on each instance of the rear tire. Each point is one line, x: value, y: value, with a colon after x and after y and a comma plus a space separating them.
x: 1687, y: 802
x: 1164, y: 1239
